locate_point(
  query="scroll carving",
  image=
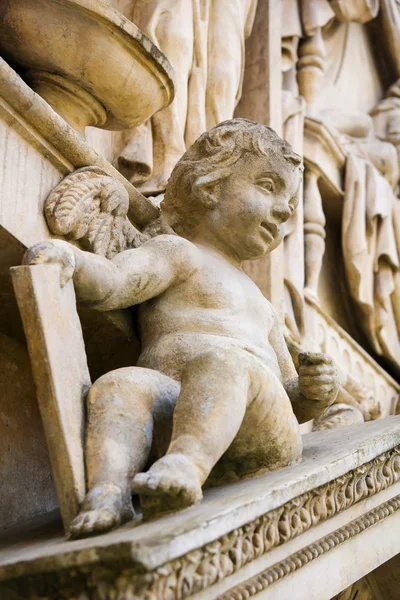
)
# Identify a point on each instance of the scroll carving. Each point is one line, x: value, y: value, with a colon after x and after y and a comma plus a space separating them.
x: 203, y: 567
x: 300, y: 559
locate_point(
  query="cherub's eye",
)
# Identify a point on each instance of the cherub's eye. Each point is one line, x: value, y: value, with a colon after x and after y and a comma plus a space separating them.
x: 266, y: 184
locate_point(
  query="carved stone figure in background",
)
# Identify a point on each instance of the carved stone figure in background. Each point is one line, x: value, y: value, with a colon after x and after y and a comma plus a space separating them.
x: 370, y: 226
x: 211, y: 342
x: 386, y: 117
x: 204, y: 41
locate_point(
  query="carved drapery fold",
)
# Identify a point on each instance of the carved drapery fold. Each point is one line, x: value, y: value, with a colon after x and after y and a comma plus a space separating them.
x: 371, y: 254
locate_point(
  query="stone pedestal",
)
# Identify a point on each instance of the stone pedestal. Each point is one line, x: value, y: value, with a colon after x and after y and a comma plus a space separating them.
x: 293, y: 533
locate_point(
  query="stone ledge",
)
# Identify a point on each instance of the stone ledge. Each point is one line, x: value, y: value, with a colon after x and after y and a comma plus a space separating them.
x: 294, y: 562
x: 234, y: 526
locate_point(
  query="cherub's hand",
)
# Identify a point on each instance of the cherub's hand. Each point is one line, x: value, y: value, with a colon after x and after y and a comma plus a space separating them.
x: 55, y: 252
x: 318, y: 378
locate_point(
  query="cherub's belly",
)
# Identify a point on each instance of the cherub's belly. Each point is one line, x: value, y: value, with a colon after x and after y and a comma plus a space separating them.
x: 170, y: 353
x: 159, y: 319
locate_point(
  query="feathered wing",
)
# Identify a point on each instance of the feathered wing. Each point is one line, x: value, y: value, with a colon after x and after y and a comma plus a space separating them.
x: 91, y: 207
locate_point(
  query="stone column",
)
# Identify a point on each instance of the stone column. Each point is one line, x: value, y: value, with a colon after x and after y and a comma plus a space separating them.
x: 314, y: 230
x: 310, y: 68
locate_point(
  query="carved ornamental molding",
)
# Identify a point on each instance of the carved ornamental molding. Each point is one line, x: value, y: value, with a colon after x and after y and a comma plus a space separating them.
x: 292, y: 563
x: 203, y: 567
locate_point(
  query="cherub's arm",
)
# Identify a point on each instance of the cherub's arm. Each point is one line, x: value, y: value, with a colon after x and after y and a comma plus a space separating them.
x: 317, y: 384
x: 132, y: 277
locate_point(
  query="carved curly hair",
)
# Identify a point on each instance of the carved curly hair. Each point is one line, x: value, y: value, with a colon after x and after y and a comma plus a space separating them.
x: 213, y: 156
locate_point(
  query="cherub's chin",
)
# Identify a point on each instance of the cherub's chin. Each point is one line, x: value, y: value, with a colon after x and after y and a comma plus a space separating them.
x: 258, y: 251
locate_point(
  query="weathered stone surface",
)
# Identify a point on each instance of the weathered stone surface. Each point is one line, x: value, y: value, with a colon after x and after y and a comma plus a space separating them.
x: 334, y: 95
x: 57, y: 353
x: 231, y: 379
x: 117, y: 79
x: 204, y: 42
x: 186, y: 553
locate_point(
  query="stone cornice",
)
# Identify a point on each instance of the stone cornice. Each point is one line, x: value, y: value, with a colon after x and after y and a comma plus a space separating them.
x: 299, y: 559
x: 201, y: 568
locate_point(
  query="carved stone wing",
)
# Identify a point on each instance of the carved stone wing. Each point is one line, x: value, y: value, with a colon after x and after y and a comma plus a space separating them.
x: 92, y: 207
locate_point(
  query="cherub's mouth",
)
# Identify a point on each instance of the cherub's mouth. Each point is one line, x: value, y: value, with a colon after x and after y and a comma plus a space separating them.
x: 270, y: 229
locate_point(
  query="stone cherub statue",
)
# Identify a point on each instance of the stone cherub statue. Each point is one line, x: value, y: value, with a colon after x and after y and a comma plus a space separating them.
x: 213, y: 353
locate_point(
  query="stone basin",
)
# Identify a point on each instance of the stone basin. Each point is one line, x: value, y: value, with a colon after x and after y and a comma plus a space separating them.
x: 89, y: 62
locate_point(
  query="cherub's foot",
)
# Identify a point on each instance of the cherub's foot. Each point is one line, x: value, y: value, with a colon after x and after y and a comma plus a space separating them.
x: 171, y: 484
x: 104, y: 508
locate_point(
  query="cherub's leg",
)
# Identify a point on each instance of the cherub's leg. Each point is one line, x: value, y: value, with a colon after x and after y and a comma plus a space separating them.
x: 215, y: 389
x: 269, y: 437
x: 122, y: 407
x: 231, y: 405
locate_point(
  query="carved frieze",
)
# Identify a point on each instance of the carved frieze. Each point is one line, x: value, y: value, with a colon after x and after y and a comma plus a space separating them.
x: 201, y: 568
x: 294, y: 562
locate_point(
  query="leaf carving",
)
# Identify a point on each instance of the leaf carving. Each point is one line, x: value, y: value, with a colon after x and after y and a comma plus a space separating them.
x: 92, y: 207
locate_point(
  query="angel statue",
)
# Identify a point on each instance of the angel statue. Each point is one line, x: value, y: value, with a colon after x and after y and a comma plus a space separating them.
x: 215, y: 390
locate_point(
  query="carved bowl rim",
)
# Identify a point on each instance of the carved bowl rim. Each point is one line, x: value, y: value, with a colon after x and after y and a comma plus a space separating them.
x: 31, y: 52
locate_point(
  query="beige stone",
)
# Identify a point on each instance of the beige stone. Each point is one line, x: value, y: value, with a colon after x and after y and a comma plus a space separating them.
x: 40, y: 142
x: 244, y: 179
x: 61, y: 375
x: 354, y: 363
x: 204, y: 41
x: 261, y: 101
x: 265, y: 534
x: 99, y: 82
x: 325, y: 76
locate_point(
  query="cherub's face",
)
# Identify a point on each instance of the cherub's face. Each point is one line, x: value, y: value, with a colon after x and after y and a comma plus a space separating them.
x: 255, y: 202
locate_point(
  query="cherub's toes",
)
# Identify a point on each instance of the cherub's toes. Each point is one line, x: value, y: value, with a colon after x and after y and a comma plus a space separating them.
x: 94, y: 521
x: 148, y: 482
x: 140, y: 482
x: 103, y: 520
x: 166, y: 484
x: 77, y: 526
x: 153, y: 482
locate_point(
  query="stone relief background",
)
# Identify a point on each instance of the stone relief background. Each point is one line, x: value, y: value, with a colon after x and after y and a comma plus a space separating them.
x: 338, y: 285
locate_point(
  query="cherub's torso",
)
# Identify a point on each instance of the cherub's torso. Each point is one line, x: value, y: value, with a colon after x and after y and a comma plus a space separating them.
x: 218, y: 304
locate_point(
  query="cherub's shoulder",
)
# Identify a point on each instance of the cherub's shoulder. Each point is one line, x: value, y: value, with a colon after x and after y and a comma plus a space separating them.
x: 170, y: 240
x: 175, y: 249
x: 172, y: 243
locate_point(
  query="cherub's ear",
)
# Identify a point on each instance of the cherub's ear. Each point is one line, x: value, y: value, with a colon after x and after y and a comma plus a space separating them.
x: 205, y: 189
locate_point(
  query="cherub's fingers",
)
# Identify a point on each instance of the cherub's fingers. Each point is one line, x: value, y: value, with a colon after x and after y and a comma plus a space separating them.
x: 326, y: 390
x: 314, y: 358
x: 319, y: 394
x: 37, y: 254
x: 318, y: 369
x: 316, y: 380
x: 56, y: 252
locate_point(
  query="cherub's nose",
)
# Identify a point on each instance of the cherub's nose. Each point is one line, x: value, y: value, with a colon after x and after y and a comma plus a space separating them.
x: 281, y: 213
